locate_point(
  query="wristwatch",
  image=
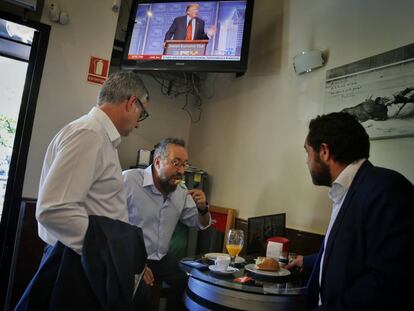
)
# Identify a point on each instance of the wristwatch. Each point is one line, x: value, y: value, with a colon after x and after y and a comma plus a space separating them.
x: 204, y: 211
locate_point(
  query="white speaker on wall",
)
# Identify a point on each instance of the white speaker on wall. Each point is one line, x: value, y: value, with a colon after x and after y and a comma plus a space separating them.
x: 27, y: 4
x: 307, y: 61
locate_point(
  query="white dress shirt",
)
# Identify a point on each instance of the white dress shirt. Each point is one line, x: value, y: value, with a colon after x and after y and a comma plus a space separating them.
x: 81, y: 176
x: 193, y: 24
x: 157, y: 218
x: 337, y: 194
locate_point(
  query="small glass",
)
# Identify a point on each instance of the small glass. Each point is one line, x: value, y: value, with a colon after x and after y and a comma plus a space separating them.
x: 234, y: 244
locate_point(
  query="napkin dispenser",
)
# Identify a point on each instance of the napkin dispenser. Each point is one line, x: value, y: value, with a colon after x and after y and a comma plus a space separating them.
x: 277, y: 247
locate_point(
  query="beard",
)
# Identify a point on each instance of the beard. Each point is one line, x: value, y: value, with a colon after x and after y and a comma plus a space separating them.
x: 321, y: 175
x: 168, y: 184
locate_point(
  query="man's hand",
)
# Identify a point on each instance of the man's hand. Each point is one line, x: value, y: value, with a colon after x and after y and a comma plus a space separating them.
x: 148, y: 277
x: 199, y: 198
x: 296, y: 263
x: 211, y: 31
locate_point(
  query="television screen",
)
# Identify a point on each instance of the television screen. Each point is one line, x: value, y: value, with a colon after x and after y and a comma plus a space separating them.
x: 188, y: 36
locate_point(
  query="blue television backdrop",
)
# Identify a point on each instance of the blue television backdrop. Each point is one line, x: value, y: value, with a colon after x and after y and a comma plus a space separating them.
x: 153, y: 21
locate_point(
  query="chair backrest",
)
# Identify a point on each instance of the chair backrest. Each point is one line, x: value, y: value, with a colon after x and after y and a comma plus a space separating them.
x: 213, y: 239
x: 261, y: 228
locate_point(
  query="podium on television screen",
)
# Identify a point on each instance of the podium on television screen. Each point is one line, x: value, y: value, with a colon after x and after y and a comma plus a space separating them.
x: 185, y: 47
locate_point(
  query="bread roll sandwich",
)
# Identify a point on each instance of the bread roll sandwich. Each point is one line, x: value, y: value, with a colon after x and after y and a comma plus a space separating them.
x: 267, y: 264
x: 179, y: 182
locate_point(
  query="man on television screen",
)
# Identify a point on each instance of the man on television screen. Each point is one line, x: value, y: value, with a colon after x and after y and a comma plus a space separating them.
x: 189, y: 27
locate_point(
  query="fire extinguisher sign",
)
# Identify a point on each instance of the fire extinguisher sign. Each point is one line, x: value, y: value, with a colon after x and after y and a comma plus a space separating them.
x: 98, y: 70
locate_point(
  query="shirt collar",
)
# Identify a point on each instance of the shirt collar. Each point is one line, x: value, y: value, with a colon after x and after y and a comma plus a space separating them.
x: 107, y: 124
x: 344, y: 180
x: 148, y: 179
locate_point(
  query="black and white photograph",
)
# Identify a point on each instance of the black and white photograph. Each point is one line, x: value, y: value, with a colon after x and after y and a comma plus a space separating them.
x: 378, y: 91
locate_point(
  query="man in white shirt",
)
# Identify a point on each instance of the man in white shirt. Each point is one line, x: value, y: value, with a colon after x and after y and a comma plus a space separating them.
x: 81, y: 173
x: 362, y: 262
x: 157, y: 199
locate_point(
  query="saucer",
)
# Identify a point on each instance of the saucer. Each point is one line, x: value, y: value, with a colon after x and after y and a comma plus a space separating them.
x: 280, y: 272
x: 230, y: 270
x: 213, y: 256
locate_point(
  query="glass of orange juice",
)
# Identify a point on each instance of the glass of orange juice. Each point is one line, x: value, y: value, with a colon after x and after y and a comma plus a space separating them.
x: 234, y: 243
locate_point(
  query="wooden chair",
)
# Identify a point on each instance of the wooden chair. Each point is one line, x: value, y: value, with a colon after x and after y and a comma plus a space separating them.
x: 224, y: 219
x: 213, y: 239
x: 260, y: 228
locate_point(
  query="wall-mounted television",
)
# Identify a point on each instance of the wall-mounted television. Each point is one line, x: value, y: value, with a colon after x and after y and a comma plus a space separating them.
x: 196, y: 36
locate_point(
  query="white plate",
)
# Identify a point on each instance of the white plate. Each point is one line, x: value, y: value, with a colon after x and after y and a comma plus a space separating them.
x: 230, y: 270
x: 252, y: 268
x: 213, y: 256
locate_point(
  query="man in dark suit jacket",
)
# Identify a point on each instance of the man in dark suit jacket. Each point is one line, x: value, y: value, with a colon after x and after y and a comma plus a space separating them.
x: 370, y: 238
x: 179, y: 27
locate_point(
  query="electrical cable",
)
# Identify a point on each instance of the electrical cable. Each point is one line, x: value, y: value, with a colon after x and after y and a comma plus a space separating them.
x: 189, y: 85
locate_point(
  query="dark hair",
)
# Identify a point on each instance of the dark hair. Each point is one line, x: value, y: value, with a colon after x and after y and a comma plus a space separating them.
x: 346, y: 137
x: 161, y: 147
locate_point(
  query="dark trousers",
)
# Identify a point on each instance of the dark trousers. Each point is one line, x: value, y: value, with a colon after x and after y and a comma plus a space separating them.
x: 167, y: 270
x: 142, y: 296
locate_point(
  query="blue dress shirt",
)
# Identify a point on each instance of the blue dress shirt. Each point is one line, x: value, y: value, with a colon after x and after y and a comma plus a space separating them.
x: 157, y: 218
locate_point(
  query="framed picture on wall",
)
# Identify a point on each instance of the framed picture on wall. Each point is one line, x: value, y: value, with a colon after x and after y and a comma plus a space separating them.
x: 378, y: 91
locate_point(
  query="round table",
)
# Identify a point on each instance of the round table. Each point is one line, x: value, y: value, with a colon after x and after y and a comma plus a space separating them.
x: 210, y: 291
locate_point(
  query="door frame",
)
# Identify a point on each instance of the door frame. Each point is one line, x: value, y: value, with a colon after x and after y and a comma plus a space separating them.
x: 13, y: 195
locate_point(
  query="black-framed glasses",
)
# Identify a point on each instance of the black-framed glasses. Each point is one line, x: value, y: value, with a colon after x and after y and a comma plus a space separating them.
x: 177, y: 164
x: 144, y: 114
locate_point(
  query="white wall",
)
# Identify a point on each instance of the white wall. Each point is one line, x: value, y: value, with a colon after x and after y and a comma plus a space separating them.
x: 251, y: 137
x: 65, y: 95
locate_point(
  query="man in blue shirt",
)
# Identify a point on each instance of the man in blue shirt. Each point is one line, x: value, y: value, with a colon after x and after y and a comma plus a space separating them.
x: 157, y: 199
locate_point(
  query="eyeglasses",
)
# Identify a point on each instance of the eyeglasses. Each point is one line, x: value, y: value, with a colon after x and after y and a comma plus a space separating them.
x: 177, y: 164
x: 144, y: 114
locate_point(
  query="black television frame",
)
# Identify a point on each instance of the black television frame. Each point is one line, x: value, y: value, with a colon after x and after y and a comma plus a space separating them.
x: 188, y: 65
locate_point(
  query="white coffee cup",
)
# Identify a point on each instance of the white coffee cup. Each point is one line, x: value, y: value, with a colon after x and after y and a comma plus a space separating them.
x: 222, y: 263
